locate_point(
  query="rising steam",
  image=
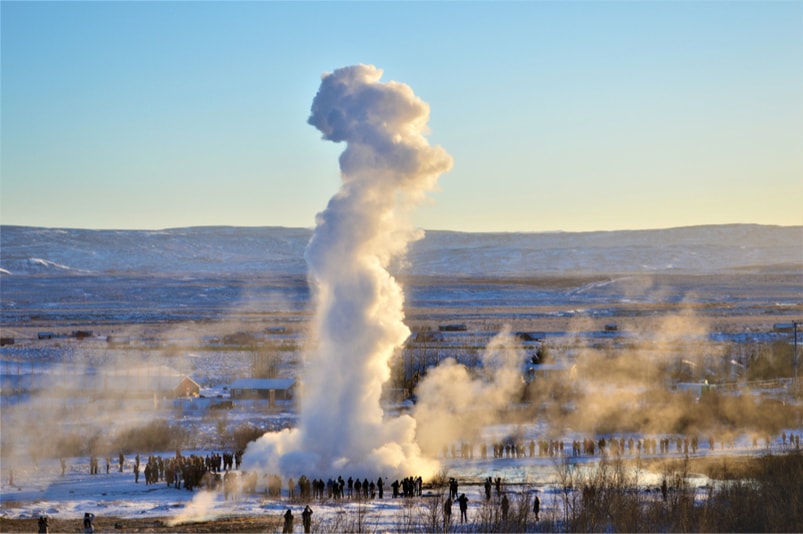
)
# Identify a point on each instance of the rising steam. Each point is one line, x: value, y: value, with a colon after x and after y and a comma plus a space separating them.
x: 387, y: 168
x: 455, y: 405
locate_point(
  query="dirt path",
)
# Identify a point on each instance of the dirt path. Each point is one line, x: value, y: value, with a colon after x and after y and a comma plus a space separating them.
x: 116, y: 524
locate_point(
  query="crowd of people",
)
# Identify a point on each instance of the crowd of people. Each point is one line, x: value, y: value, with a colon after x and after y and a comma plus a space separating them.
x: 220, y: 471
x: 180, y: 471
x: 518, y: 448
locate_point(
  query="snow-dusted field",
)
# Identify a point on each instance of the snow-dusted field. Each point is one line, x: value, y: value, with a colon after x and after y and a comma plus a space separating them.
x: 41, y: 489
x: 171, y: 299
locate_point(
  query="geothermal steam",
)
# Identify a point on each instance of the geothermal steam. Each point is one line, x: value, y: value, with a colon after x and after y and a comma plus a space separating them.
x: 454, y: 404
x: 387, y: 168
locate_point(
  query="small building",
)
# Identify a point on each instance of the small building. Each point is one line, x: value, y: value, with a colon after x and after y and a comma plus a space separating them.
x: 81, y: 334
x: 187, y: 388
x: 145, y: 381
x: 272, y: 389
x: 531, y: 336
x: 425, y: 336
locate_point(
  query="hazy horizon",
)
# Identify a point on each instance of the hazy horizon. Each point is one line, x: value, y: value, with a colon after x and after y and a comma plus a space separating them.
x: 312, y: 228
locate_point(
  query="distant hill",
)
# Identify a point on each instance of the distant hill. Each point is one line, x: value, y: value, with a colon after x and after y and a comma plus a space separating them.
x: 275, y: 250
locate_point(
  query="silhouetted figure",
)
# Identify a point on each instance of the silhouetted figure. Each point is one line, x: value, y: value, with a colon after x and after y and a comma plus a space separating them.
x: 88, y: 527
x: 43, y: 525
x: 306, y: 518
x: 447, y: 512
x: 463, y: 501
x: 536, y: 507
x: 505, y: 507
x: 288, y: 522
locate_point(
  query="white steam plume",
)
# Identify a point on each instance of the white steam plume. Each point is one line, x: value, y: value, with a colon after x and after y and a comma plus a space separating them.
x: 455, y: 403
x: 386, y: 169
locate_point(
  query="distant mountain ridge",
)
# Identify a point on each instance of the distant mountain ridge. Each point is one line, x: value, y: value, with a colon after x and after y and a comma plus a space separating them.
x: 26, y: 250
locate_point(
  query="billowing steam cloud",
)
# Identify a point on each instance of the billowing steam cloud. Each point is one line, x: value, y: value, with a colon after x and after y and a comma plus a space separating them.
x: 387, y: 168
x: 454, y: 404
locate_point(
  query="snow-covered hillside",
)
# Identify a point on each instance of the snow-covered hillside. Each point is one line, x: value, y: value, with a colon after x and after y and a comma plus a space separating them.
x: 275, y: 250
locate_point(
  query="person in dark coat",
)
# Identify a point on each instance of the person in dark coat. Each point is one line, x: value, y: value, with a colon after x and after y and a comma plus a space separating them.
x: 44, y: 528
x: 463, y: 501
x: 288, y: 522
x: 89, y: 528
x: 306, y: 518
x: 536, y: 506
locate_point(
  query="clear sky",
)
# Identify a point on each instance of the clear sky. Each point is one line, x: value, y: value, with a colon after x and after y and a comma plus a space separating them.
x: 559, y: 115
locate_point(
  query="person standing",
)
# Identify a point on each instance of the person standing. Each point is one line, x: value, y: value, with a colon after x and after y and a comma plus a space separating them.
x: 536, y: 507
x: 288, y: 522
x: 89, y: 528
x: 463, y: 501
x: 306, y: 518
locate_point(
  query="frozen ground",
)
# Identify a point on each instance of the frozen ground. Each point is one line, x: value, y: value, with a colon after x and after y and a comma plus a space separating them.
x: 38, y: 490
x: 174, y: 295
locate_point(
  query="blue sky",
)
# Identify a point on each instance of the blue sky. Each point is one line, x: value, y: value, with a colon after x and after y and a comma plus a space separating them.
x: 559, y: 115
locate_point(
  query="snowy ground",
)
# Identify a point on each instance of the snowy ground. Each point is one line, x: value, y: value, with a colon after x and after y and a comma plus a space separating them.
x: 28, y: 491
x: 125, y: 285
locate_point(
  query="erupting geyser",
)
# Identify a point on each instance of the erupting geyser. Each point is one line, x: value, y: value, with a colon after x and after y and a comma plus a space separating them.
x: 387, y: 168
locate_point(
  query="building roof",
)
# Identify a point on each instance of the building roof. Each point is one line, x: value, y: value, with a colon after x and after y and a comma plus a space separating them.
x: 263, y: 383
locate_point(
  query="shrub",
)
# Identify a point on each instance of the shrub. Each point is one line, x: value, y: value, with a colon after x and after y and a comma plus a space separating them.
x: 155, y: 436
